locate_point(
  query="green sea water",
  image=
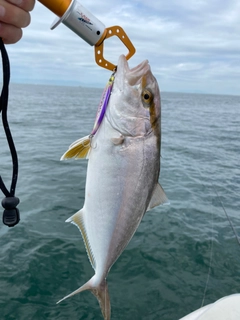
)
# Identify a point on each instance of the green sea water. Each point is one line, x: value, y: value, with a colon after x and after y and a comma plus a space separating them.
x: 183, y: 255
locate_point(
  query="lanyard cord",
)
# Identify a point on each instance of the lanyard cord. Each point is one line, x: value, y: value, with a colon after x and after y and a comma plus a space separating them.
x: 11, y: 213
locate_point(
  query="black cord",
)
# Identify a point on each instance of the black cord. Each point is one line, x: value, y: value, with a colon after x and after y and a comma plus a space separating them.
x: 11, y: 213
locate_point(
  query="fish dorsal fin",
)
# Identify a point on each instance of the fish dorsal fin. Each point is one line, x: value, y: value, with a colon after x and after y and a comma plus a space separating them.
x: 78, y: 220
x: 158, y: 197
x: 78, y: 149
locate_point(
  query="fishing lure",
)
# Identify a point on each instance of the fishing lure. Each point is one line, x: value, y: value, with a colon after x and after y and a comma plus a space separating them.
x: 102, y: 105
x: 80, y: 148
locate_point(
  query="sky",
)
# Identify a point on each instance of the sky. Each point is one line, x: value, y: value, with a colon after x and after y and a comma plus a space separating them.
x: 191, y: 45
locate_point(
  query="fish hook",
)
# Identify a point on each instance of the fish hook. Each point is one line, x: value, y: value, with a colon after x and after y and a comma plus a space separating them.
x: 91, y: 144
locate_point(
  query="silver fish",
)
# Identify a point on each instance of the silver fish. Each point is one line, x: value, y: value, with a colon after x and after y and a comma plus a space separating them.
x: 122, y: 174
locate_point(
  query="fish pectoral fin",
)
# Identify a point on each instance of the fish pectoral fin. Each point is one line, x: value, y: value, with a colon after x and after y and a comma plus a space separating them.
x: 158, y: 197
x: 101, y: 293
x: 78, y: 220
x: 78, y: 149
x: 118, y: 140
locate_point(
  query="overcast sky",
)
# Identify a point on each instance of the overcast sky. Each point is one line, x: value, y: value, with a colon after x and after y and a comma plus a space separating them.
x: 191, y: 45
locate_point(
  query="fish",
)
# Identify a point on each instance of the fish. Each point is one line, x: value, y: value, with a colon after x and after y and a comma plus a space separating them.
x: 122, y: 173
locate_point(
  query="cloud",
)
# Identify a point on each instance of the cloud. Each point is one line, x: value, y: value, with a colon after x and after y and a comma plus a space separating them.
x: 192, y: 46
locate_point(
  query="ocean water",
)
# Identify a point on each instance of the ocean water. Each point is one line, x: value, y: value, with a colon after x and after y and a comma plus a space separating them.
x: 183, y: 255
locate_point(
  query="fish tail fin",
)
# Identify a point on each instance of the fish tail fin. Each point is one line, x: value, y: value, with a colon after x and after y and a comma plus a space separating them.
x: 100, y: 292
x: 79, y: 149
x: 86, y: 286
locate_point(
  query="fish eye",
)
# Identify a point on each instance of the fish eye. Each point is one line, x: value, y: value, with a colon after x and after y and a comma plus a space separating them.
x: 147, y: 97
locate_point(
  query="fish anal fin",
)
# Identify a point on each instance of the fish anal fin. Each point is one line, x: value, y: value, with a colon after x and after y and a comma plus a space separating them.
x: 158, y: 197
x: 101, y: 293
x: 78, y: 149
x: 78, y: 220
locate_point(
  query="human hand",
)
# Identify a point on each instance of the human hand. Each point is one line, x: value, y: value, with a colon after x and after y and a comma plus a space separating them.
x: 14, y: 15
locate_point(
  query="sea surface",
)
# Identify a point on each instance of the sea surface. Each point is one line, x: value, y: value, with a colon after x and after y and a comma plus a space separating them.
x: 183, y: 255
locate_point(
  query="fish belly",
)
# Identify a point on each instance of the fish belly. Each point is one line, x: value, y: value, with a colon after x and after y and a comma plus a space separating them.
x: 119, y: 186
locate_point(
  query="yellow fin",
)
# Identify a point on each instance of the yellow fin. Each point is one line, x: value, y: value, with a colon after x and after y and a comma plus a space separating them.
x: 77, y: 219
x: 78, y: 149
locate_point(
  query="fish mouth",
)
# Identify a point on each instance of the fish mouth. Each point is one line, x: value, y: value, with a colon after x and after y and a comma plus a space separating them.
x: 135, y: 74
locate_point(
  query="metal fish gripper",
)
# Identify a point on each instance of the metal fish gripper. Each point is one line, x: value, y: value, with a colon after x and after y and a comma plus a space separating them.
x: 77, y: 18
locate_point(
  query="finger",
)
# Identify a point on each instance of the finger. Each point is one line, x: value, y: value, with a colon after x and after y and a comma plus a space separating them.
x: 13, y: 15
x: 9, y: 33
x: 26, y: 5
